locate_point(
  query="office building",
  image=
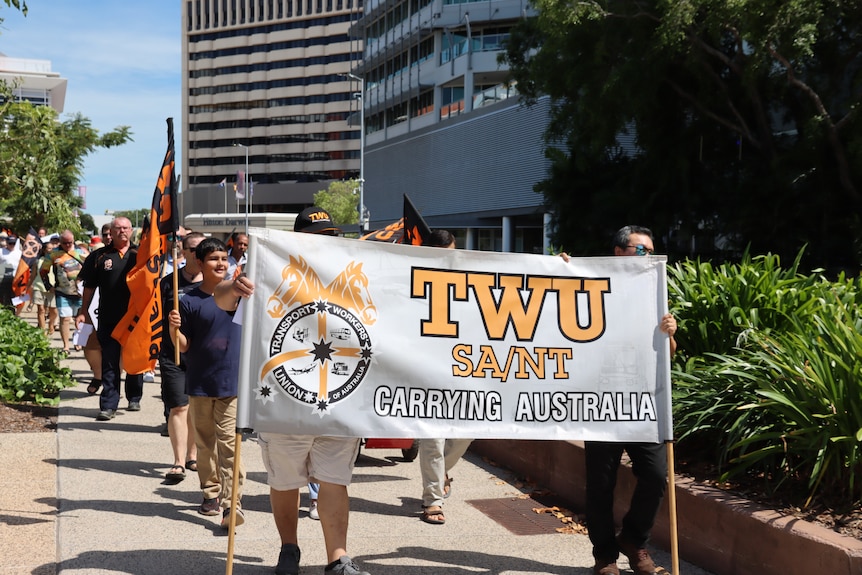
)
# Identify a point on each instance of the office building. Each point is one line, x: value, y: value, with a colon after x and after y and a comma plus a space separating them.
x: 269, y: 78
x: 264, y: 83
x: 444, y: 125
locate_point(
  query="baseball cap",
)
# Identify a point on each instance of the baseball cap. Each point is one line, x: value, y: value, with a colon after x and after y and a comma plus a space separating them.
x: 314, y: 220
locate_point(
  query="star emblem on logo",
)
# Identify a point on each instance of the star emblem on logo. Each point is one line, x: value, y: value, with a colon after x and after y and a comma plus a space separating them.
x: 321, y: 306
x: 322, y: 406
x: 264, y: 393
x: 322, y: 351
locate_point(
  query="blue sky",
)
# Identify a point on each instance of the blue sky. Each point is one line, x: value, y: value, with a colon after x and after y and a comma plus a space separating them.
x: 123, y: 64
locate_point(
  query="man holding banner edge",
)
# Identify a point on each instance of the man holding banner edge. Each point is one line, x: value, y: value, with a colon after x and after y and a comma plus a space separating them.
x: 649, y: 464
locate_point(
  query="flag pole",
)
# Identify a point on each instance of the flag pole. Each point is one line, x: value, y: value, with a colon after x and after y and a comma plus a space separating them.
x: 233, y: 500
x: 177, y: 222
x: 674, y: 534
x: 176, y: 287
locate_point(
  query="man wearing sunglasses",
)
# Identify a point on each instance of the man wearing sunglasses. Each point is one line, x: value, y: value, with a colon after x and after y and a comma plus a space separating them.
x: 649, y: 465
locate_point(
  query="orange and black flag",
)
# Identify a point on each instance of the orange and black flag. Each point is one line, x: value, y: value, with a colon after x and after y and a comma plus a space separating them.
x: 391, y: 234
x: 410, y: 229
x: 416, y: 230
x: 140, y: 330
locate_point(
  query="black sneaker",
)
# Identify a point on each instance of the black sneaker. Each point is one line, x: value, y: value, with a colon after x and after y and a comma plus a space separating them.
x: 225, y: 518
x: 106, y: 415
x: 134, y: 406
x: 288, y: 560
x: 344, y: 566
x: 209, y: 507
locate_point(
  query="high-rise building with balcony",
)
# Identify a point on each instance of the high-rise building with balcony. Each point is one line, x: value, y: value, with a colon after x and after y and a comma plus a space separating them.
x: 444, y: 125
x: 266, y: 80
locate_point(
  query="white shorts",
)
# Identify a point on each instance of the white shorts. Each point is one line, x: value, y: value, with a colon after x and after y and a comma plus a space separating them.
x: 292, y: 461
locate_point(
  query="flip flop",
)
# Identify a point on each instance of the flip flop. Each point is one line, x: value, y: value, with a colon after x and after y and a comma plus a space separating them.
x: 192, y: 465
x: 94, y: 386
x: 433, y: 515
x: 173, y: 475
x: 447, y: 487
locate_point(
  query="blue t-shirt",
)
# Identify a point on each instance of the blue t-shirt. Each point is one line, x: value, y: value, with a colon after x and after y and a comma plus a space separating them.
x: 212, y: 360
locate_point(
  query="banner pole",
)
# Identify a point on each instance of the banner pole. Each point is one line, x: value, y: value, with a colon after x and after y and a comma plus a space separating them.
x: 176, y: 286
x: 233, y: 500
x: 674, y: 534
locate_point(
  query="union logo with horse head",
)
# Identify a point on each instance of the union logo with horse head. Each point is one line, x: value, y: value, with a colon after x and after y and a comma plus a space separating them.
x: 320, y: 350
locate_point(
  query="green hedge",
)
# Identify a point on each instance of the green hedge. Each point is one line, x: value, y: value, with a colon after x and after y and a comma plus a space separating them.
x: 30, y: 369
x: 768, y: 376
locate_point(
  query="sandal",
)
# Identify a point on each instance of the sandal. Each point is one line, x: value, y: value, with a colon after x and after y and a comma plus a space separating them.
x: 94, y: 386
x: 447, y: 487
x: 433, y: 515
x: 192, y: 465
x: 176, y: 473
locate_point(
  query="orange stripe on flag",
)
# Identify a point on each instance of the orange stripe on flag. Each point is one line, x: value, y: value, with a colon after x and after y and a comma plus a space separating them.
x: 140, y: 330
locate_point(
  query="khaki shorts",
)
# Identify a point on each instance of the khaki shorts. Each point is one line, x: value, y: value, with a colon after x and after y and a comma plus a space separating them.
x: 292, y: 461
x: 43, y: 298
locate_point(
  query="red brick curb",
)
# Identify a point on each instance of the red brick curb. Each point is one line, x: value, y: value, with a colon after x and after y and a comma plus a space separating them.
x: 717, y: 531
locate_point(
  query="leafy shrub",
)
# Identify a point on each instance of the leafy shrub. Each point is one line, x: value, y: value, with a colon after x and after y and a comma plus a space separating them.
x: 29, y: 368
x: 767, y: 376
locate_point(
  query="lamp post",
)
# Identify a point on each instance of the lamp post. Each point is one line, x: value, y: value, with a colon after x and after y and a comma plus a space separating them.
x: 361, y: 97
x: 245, y: 184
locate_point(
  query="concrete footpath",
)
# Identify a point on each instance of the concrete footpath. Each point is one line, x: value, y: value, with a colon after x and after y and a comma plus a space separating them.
x: 92, y: 498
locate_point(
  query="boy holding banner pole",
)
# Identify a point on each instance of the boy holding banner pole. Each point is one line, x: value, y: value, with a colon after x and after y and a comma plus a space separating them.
x: 210, y: 341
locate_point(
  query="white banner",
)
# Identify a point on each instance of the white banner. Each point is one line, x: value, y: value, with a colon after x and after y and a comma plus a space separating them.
x: 367, y: 339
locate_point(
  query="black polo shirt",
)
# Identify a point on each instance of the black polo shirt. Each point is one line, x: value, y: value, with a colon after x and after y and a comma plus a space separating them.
x: 106, y: 269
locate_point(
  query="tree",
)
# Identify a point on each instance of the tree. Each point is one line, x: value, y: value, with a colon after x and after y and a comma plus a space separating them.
x: 42, y: 161
x: 743, y: 119
x: 87, y: 223
x: 341, y: 200
x: 18, y: 5
x: 135, y: 216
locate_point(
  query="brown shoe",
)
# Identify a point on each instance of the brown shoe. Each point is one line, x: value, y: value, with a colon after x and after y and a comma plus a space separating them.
x: 639, y: 559
x: 605, y: 568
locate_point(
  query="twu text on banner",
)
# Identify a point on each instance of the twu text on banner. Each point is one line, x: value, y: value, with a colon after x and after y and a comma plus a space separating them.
x: 365, y: 339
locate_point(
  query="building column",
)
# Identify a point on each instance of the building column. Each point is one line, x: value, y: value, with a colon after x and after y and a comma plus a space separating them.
x: 468, y: 91
x: 470, y: 239
x: 508, y: 234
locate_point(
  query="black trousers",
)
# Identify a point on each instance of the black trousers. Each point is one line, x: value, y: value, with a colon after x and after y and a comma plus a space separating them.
x: 111, y: 371
x: 649, y: 465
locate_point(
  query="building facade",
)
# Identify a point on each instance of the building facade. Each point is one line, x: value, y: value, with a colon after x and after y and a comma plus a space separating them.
x: 266, y: 96
x: 289, y: 83
x: 445, y: 126
x: 33, y: 81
